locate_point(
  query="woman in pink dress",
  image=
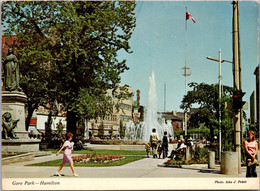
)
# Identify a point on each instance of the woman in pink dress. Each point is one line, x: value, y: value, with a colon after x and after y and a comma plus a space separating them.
x: 251, y: 148
x: 67, y: 155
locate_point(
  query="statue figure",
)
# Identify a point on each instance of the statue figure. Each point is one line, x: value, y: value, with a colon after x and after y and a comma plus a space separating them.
x: 11, y: 72
x: 8, y: 126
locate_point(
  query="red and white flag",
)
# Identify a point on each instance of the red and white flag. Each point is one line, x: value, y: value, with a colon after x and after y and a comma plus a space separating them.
x: 188, y: 16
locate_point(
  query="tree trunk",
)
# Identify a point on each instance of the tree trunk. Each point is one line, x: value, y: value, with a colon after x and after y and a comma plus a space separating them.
x: 72, y: 123
x: 31, y: 109
x: 48, y: 125
x: 211, y: 134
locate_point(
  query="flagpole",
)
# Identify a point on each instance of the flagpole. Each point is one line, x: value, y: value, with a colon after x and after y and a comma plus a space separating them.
x: 185, y: 72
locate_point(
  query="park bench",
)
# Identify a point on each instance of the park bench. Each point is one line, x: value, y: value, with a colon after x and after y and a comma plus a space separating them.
x: 181, y: 155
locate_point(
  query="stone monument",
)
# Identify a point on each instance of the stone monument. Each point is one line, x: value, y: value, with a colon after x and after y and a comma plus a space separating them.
x: 15, y: 137
x: 8, y: 126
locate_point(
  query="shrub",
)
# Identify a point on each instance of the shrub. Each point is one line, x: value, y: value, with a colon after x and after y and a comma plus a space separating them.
x: 187, y: 162
x: 203, y: 132
x: 201, y: 153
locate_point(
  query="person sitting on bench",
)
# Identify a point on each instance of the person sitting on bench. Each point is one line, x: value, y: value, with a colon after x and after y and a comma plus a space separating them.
x: 179, y: 150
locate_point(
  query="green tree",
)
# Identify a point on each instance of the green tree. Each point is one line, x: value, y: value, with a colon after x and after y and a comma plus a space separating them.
x: 25, y: 21
x: 79, y: 42
x: 35, y: 98
x: 227, y: 130
x: 203, y: 132
x: 60, y: 127
x: 206, y: 98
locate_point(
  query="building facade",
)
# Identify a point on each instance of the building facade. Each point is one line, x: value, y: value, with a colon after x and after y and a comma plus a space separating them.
x: 112, y: 121
x: 176, y: 121
x: 253, y: 113
x: 256, y: 73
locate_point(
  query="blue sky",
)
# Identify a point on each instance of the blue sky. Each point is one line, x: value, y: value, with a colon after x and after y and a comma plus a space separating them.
x: 158, y: 44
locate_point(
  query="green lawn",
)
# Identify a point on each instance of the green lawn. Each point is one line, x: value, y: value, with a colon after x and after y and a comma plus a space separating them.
x: 130, y: 156
x: 127, y: 159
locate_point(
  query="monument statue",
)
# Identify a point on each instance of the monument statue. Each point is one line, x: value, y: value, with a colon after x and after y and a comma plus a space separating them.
x: 11, y: 72
x: 13, y: 110
x: 8, y: 125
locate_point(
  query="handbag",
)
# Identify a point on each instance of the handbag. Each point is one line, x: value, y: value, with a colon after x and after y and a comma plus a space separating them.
x: 250, y: 163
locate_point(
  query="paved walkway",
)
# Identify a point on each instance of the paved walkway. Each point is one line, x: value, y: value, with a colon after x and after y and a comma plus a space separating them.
x: 147, y: 167
x: 144, y: 174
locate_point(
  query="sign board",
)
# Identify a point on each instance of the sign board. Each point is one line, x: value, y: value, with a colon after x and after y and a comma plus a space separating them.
x: 229, y: 105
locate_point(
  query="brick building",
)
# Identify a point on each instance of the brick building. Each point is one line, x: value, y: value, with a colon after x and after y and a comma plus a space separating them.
x: 176, y: 118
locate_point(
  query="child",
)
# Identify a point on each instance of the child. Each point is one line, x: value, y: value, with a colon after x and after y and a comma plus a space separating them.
x: 159, y: 149
x: 148, y: 149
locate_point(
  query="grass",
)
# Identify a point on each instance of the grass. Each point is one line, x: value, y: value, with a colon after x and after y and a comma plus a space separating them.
x: 103, y: 152
x: 56, y: 163
x: 130, y: 156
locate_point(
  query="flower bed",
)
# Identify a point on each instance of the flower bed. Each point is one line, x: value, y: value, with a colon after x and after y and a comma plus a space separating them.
x: 115, y: 142
x: 186, y: 162
x: 96, y: 158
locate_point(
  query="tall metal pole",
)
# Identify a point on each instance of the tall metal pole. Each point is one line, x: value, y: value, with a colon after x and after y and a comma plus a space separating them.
x: 236, y: 75
x: 220, y: 95
x: 220, y: 92
x: 185, y: 72
x: 240, y: 82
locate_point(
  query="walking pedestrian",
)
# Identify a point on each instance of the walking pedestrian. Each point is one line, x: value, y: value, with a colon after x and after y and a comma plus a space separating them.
x: 251, y: 148
x: 154, y: 141
x: 165, y: 145
x: 159, y: 149
x: 67, y: 155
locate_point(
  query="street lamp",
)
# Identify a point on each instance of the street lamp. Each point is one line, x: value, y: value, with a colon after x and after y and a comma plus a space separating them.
x: 217, y: 60
x: 219, y: 78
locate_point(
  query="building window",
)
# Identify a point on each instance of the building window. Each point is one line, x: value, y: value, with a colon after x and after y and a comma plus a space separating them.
x: 125, y: 118
x: 125, y: 106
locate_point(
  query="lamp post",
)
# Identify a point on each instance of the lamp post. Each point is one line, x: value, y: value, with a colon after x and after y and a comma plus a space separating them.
x: 220, y: 93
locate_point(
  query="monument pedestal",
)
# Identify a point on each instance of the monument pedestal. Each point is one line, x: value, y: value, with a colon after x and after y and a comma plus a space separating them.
x: 14, y: 103
x: 20, y: 145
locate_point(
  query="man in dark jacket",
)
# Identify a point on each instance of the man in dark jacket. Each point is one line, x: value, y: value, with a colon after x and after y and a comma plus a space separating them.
x: 165, y: 145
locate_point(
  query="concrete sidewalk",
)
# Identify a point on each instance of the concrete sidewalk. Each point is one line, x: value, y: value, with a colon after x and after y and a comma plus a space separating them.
x: 144, y: 174
x: 144, y: 168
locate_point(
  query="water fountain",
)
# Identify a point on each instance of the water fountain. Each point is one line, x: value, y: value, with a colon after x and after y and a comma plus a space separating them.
x: 143, y: 130
x: 133, y: 132
x: 151, y: 117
